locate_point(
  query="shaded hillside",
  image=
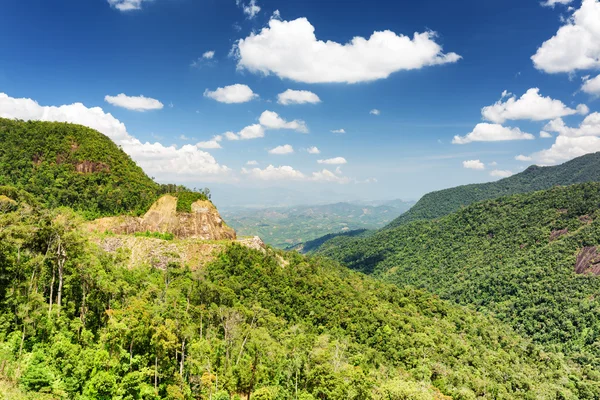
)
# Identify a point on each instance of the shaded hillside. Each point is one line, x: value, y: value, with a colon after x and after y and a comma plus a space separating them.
x: 437, y: 204
x: 71, y: 165
x: 82, y: 322
x: 287, y: 226
x: 517, y: 257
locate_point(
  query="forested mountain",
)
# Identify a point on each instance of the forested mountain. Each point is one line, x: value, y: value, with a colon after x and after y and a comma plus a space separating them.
x: 79, y: 322
x: 437, y: 204
x: 287, y: 226
x: 72, y: 165
x: 529, y: 259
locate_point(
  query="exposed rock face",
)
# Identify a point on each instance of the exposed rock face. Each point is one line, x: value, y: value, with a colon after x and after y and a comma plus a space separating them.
x: 204, y: 222
x: 558, y: 233
x: 89, y: 167
x: 588, y: 261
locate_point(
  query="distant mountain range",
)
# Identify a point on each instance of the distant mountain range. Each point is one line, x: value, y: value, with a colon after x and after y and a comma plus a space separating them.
x: 287, y: 226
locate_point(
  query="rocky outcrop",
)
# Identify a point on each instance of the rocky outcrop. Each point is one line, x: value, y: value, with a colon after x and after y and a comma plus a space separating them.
x: 204, y: 222
x: 588, y: 261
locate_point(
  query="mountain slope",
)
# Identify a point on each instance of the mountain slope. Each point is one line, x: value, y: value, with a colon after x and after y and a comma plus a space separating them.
x: 287, y: 226
x: 437, y: 204
x: 515, y: 257
x: 71, y: 165
x: 250, y: 323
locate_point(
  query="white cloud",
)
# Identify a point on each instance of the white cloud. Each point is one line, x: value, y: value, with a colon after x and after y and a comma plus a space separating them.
x: 576, y: 45
x: 280, y: 150
x: 375, y: 112
x: 126, y: 5
x: 272, y: 173
x: 209, y: 55
x: 297, y: 97
x: 252, y: 162
x: 545, y: 135
x: 592, y: 86
x: 521, y: 157
x: 290, y: 49
x: 531, y: 106
x: 493, y: 164
x: 272, y: 120
x: 485, y: 132
x: 251, y: 9
x: 590, y: 126
x: 135, y: 103
x: 328, y: 176
x: 473, y: 164
x: 501, y: 173
x: 211, y: 144
x: 164, y: 162
x: 313, y: 150
x: 339, y: 131
x: 552, y: 3
x: 333, y: 161
x: 255, y: 131
x: 237, y: 93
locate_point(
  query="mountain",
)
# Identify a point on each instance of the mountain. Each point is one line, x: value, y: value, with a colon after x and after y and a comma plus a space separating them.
x: 109, y: 315
x: 71, y: 165
x: 437, y: 204
x: 287, y: 226
x: 530, y: 260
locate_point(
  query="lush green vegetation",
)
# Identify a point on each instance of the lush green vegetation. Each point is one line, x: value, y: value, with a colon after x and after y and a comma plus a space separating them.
x: 514, y: 257
x: 75, y: 323
x: 443, y: 202
x: 185, y: 199
x: 313, y: 245
x: 156, y: 235
x: 285, y: 227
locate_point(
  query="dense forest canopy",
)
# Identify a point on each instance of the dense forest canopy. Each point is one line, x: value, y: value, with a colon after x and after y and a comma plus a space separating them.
x: 76, y: 322
x: 514, y: 257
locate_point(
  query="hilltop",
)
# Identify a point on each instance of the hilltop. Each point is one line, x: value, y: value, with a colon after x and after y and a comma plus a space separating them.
x: 71, y: 165
x: 437, y: 204
x: 530, y: 260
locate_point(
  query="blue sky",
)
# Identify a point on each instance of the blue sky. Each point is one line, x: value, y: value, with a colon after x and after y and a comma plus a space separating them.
x: 427, y: 91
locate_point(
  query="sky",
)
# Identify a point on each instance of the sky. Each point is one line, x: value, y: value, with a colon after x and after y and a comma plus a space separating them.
x: 272, y: 102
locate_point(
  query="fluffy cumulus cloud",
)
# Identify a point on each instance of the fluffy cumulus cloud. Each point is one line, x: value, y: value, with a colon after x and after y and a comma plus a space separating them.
x: 333, y: 161
x: 375, y: 112
x: 485, y: 132
x: 552, y: 3
x: 232, y: 94
x: 592, y: 86
x: 328, y: 176
x: 214, y: 143
x: 272, y: 120
x: 126, y: 5
x: 571, y: 142
x: 297, y: 97
x: 313, y: 150
x: 184, y: 163
x: 135, y: 103
x: 209, y: 55
x: 290, y: 49
x: 281, y: 150
x: 473, y: 164
x: 499, y: 173
x: 255, y: 131
x: 576, y: 45
x: 271, y: 173
x: 531, y: 106
x: 545, y: 135
x: 339, y: 131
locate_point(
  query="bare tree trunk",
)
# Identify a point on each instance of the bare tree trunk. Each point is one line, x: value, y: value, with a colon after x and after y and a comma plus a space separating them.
x: 62, y: 257
x: 155, y: 372
x: 182, y: 358
x: 51, y: 290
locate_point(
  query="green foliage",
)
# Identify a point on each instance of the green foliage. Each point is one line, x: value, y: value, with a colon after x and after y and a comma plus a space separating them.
x: 514, y: 257
x: 75, y: 322
x: 156, y: 235
x: 437, y: 204
x: 185, y: 200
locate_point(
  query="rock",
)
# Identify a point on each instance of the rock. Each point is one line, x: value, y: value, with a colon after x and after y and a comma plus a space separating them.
x: 204, y: 222
x: 588, y: 261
